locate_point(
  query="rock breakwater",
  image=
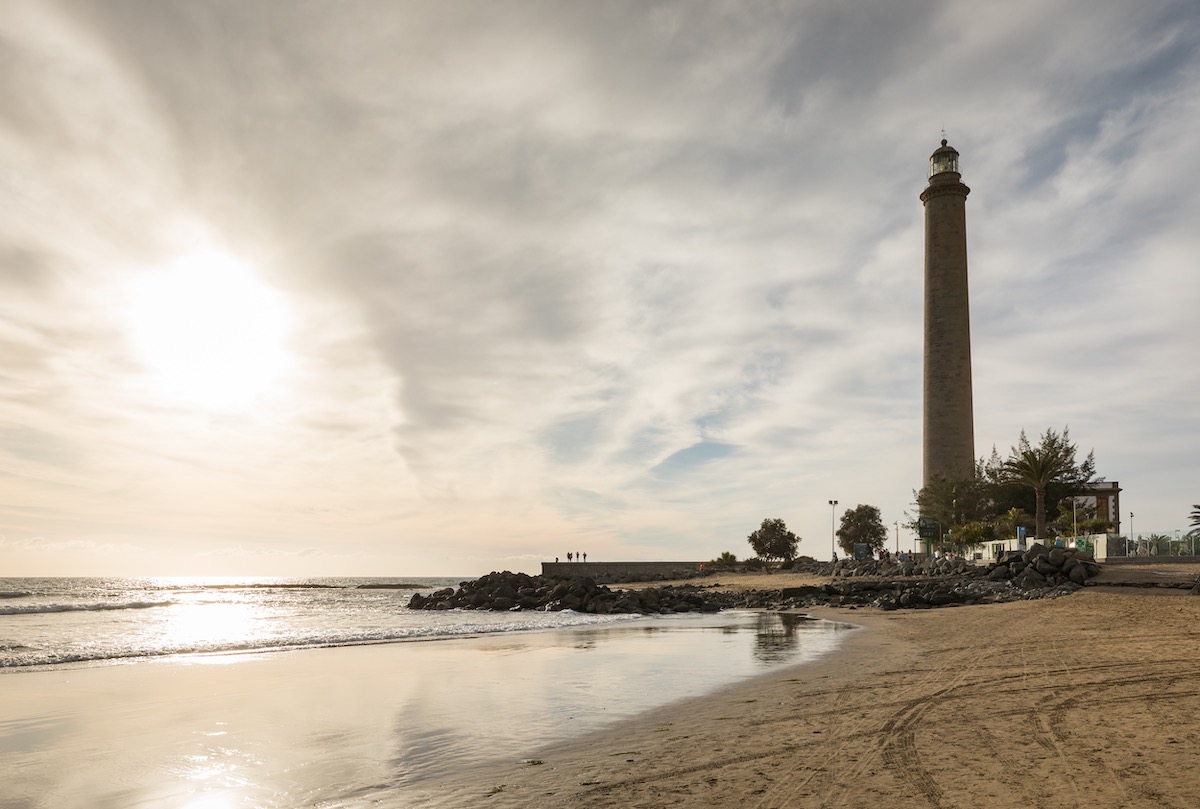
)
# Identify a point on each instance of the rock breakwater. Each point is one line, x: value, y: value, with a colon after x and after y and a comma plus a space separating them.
x: 1038, y: 572
x: 518, y: 591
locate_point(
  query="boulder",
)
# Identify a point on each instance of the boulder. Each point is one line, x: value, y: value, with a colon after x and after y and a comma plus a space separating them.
x: 1043, y: 565
x: 1030, y: 579
x: 1034, y: 551
x: 1078, y: 573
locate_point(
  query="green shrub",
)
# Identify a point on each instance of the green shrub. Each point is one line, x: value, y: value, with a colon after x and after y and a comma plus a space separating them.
x: 726, y: 559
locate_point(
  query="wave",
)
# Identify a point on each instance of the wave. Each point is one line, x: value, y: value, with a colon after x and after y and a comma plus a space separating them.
x: 563, y: 619
x: 40, y: 609
x: 15, y: 594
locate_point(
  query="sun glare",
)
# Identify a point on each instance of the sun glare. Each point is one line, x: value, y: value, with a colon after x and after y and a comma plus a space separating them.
x: 208, y: 331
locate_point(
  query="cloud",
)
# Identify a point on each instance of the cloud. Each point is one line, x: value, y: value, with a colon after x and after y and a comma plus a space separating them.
x: 637, y: 273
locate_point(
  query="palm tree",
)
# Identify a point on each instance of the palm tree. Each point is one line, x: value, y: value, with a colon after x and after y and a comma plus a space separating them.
x: 1007, y: 522
x: 1195, y: 520
x: 1051, y: 460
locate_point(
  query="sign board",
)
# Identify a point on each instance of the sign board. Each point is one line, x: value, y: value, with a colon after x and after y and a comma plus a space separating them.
x: 927, y: 528
x: 862, y: 551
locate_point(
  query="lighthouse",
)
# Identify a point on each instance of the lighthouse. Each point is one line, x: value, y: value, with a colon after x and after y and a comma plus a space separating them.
x: 949, y: 422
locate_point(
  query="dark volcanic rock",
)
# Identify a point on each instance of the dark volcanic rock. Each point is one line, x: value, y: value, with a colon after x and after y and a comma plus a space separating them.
x: 517, y: 591
x: 879, y: 583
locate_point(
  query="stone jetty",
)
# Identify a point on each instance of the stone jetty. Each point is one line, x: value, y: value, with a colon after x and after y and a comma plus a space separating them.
x: 518, y: 591
x: 1039, y: 572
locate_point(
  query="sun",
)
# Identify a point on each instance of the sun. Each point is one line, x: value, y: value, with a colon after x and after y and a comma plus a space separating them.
x: 207, y: 331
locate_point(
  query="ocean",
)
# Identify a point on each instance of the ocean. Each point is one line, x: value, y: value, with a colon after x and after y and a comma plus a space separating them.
x: 326, y: 692
x: 58, y: 621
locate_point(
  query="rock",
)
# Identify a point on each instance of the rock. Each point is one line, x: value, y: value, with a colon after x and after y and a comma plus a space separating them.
x: 1029, y: 579
x: 1008, y: 557
x: 1078, y: 574
x: 1035, y: 550
x: 879, y: 583
x: 1043, y: 565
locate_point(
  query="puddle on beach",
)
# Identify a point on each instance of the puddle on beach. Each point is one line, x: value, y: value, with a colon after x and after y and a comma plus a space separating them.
x: 542, y: 687
x: 329, y: 727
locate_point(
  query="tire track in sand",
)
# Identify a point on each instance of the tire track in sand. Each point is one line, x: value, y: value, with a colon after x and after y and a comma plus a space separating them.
x: 887, y: 741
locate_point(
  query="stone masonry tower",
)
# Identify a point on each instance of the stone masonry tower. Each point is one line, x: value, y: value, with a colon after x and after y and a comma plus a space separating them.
x: 949, y: 415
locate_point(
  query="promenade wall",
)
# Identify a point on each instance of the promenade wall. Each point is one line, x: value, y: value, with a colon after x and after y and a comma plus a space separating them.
x: 622, y: 571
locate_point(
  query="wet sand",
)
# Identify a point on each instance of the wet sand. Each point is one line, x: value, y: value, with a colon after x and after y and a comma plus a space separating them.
x: 1087, y: 700
x: 340, y: 727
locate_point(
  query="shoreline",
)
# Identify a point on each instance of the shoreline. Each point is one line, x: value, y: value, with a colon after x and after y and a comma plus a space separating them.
x: 330, y: 726
x: 1085, y: 700
x: 1082, y: 700
x: 607, y: 762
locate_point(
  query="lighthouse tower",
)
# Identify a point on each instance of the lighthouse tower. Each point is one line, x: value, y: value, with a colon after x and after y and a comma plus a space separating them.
x: 949, y: 444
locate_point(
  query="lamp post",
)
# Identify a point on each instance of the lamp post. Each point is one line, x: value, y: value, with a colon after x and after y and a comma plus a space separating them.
x: 832, y: 533
x: 1178, y: 549
x: 897, y: 524
x: 1137, y: 548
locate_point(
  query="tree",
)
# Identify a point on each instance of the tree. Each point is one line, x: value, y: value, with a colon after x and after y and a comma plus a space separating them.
x: 726, y: 559
x: 1159, y: 544
x: 1052, y: 460
x: 862, y: 524
x: 1007, y: 523
x: 1072, y: 516
x: 1002, y: 492
x: 971, y: 535
x: 954, y: 503
x: 1079, y: 519
x: 1195, y: 521
x: 1095, y: 525
x: 773, y: 540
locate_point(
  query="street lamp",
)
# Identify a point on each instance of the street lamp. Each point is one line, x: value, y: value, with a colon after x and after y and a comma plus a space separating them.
x: 832, y: 533
x: 1137, y: 548
x: 897, y: 524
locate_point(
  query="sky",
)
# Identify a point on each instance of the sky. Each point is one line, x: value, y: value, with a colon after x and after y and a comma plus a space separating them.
x: 439, y: 288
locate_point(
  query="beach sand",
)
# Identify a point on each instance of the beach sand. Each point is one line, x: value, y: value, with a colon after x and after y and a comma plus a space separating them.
x: 1086, y: 700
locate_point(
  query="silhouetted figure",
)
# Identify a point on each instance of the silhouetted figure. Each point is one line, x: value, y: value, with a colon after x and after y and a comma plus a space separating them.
x: 570, y: 558
x: 585, y: 557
